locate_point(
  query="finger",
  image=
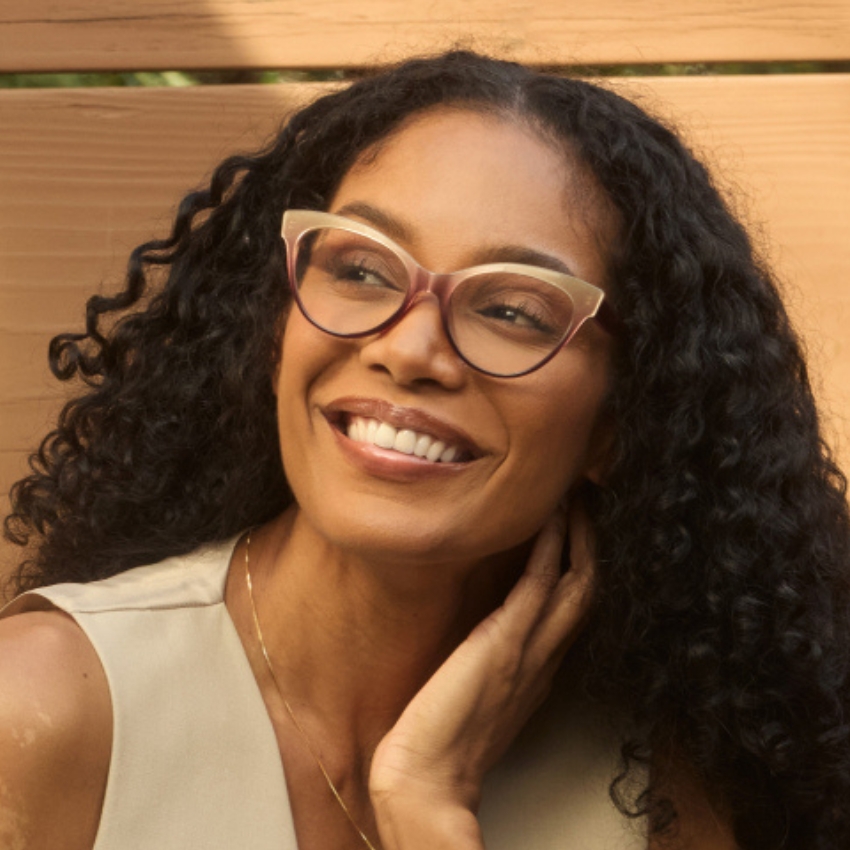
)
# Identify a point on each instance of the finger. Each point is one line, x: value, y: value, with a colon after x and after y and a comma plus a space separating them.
x: 572, y: 598
x: 545, y: 558
x: 531, y: 594
x: 582, y: 548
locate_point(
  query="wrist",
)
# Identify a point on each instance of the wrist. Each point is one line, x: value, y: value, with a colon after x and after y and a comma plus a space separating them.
x: 417, y: 819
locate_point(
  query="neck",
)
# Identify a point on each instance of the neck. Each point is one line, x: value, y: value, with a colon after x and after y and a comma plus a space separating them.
x: 353, y: 639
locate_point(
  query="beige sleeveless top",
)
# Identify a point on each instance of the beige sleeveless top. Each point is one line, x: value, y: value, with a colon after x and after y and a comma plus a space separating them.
x: 195, y: 762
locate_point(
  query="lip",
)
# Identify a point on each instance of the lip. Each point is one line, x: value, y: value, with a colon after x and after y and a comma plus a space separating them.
x: 402, y: 417
x: 388, y: 464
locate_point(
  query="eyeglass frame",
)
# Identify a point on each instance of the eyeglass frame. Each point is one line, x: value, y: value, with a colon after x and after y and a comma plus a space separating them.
x: 592, y: 304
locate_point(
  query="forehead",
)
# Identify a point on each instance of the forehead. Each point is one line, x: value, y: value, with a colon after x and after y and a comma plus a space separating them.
x: 463, y: 177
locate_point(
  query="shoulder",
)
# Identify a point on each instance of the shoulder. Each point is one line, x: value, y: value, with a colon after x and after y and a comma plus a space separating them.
x: 55, y: 731
x: 699, y: 824
x: 46, y: 658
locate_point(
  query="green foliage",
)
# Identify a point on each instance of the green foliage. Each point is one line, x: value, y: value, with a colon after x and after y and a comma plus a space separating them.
x: 201, y: 78
x: 172, y: 79
x: 703, y: 69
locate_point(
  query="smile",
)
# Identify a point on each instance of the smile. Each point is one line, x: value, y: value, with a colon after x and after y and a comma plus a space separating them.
x: 416, y: 437
x: 362, y: 429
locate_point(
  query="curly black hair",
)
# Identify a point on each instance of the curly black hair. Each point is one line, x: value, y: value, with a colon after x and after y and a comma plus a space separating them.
x: 723, y: 616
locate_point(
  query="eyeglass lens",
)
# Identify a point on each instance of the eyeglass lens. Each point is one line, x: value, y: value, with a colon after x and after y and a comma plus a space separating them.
x: 502, y: 323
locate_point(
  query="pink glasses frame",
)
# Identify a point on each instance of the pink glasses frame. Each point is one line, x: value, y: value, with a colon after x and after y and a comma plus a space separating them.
x: 588, y: 300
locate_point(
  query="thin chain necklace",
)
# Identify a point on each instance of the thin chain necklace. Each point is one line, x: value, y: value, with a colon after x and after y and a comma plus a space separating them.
x: 288, y: 707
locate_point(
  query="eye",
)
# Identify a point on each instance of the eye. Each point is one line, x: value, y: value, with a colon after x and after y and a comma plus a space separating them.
x: 511, y: 308
x: 363, y: 269
x: 524, y: 314
x: 354, y: 265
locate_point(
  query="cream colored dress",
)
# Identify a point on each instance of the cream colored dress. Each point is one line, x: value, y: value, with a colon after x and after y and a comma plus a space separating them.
x: 195, y: 763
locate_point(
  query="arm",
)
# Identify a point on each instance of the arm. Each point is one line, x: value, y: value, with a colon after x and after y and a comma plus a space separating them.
x: 55, y: 733
x: 699, y: 825
x: 427, y: 772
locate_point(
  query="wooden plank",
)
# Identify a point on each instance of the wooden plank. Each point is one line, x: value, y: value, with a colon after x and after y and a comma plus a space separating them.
x: 779, y: 147
x: 84, y: 176
x: 43, y: 35
x: 87, y: 174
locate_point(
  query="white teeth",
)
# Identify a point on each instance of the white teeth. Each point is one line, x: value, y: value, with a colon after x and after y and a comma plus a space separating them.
x: 402, y: 440
x: 422, y: 445
x: 437, y: 448
x: 405, y: 442
x: 385, y: 436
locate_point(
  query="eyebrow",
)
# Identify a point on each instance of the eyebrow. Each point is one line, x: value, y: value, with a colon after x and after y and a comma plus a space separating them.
x: 399, y: 230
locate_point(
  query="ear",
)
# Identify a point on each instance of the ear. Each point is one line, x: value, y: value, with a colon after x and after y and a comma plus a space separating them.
x: 600, y: 452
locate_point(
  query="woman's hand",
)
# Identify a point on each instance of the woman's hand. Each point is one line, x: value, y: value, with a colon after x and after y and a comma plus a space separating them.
x: 427, y: 772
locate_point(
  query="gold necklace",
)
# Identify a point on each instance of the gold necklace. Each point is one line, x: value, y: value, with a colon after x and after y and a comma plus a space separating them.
x: 286, y: 704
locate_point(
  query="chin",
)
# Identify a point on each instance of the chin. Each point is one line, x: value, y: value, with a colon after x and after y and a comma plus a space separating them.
x: 401, y: 534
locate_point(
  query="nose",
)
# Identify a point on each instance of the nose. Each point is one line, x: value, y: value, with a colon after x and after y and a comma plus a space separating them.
x: 415, y: 349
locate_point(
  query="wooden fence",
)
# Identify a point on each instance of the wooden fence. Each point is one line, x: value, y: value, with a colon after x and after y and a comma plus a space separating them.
x: 85, y: 174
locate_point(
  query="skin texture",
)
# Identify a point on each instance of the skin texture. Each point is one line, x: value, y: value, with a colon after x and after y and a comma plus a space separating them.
x: 413, y: 627
x: 55, y: 734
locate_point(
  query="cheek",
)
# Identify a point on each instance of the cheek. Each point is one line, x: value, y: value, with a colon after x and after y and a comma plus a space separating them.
x: 561, y: 435
x: 301, y: 360
x: 282, y: 322
x: 308, y: 359
x: 305, y: 353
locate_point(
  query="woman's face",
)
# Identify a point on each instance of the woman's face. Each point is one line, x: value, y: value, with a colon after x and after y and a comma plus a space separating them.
x: 455, y: 189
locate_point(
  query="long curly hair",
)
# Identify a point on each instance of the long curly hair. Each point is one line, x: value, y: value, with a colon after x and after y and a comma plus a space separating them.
x: 723, y: 616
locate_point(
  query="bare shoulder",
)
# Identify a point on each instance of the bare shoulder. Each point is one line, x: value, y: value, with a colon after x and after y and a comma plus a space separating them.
x: 55, y: 733
x: 699, y: 825
x: 51, y: 673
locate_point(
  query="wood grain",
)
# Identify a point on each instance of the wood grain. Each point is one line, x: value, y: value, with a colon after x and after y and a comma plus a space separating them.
x: 43, y: 35
x: 87, y: 174
x: 779, y: 146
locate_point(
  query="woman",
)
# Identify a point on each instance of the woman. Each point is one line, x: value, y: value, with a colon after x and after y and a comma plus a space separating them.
x: 523, y: 315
